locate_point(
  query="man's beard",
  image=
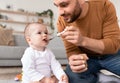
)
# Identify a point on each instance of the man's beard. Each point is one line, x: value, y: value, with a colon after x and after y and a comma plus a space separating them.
x: 74, y: 17
x: 76, y: 14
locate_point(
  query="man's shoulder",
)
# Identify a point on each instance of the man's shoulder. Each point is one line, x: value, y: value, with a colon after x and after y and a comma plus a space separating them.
x: 102, y: 4
x: 99, y: 1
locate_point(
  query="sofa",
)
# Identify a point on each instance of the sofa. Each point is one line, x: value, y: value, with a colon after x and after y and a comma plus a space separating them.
x: 11, y: 55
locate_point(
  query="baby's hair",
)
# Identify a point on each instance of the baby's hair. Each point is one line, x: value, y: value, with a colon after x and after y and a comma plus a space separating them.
x: 27, y: 28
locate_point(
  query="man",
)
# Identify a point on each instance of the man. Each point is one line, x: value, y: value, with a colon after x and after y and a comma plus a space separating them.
x: 91, y: 38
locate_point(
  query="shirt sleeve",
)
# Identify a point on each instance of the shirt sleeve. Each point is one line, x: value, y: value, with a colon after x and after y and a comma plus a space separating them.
x: 111, y: 32
x: 28, y: 63
x: 56, y: 67
x: 70, y: 48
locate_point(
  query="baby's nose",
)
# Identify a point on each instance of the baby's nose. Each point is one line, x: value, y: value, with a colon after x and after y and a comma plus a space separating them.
x: 44, y: 34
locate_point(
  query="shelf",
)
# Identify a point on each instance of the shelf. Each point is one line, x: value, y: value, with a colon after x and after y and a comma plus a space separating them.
x: 21, y: 13
x: 28, y: 15
x: 18, y: 12
x: 11, y: 21
x: 15, y: 17
x: 16, y: 22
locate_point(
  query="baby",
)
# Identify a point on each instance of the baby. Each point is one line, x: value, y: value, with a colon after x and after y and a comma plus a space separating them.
x: 39, y: 63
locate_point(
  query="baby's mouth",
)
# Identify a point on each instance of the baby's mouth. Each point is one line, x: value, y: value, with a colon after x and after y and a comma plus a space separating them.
x: 46, y: 40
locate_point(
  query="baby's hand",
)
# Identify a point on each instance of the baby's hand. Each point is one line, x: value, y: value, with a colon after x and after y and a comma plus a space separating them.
x: 64, y: 79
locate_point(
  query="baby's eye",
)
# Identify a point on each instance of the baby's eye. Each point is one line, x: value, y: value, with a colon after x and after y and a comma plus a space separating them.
x: 46, y: 33
x: 39, y: 33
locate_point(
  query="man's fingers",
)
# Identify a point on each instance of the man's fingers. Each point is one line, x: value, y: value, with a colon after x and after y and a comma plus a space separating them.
x: 85, y: 56
x: 77, y: 62
x: 81, y: 70
x: 78, y: 57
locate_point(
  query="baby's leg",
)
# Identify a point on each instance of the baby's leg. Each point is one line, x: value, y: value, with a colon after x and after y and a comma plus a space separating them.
x: 35, y: 82
x: 52, y: 79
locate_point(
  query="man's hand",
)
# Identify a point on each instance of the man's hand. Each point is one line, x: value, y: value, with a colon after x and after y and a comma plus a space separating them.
x: 73, y: 35
x: 78, y: 63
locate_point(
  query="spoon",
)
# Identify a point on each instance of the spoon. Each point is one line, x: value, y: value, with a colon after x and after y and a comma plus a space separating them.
x: 58, y: 34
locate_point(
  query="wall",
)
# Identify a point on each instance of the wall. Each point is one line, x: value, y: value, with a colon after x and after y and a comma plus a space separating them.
x: 29, y: 5
x: 41, y: 5
x: 117, y: 6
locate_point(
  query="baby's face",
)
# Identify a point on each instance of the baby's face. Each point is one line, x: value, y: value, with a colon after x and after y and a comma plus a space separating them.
x: 39, y: 36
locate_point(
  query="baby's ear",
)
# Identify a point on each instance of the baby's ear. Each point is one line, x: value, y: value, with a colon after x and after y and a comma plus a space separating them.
x: 28, y: 39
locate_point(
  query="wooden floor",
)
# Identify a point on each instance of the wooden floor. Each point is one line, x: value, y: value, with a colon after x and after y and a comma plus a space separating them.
x: 9, y: 72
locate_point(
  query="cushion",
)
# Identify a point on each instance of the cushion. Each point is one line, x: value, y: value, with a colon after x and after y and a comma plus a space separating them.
x: 19, y: 40
x: 6, y: 37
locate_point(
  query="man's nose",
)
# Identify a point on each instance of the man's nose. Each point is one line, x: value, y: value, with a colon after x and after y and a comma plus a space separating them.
x: 61, y: 12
